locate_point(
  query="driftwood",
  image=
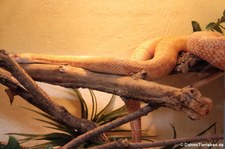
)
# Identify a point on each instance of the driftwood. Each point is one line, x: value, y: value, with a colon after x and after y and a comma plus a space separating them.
x: 45, y: 104
x: 124, y: 144
x: 188, y: 100
x: 29, y: 90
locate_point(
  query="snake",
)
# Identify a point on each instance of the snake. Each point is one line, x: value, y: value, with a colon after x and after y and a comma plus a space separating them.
x: 157, y: 57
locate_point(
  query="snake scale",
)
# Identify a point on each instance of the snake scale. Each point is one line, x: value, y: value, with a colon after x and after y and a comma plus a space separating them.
x: 157, y: 57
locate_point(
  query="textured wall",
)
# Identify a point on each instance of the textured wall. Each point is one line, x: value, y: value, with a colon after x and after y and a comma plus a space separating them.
x: 97, y: 27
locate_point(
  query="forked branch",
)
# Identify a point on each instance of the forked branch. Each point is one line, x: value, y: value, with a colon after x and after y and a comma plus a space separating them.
x: 31, y: 92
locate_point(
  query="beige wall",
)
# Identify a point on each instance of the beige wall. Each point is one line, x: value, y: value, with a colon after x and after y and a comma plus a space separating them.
x: 99, y: 27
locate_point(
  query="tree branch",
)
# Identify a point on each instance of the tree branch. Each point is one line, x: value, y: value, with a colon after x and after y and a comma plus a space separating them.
x: 188, y: 100
x: 31, y: 92
x: 106, y: 127
x: 123, y: 144
x: 207, y: 79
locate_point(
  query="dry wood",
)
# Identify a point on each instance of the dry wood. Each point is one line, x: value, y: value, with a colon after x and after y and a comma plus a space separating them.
x: 188, y: 100
x: 31, y: 92
x: 123, y: 144
x: 106, y: 127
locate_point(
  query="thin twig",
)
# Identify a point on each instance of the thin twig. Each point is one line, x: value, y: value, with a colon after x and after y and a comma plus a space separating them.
x: 106, y: 127
x: 207, y: 79
x: 179, y: 141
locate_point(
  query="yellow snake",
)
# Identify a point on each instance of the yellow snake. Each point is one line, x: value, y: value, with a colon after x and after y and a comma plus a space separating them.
x: 157, y: 57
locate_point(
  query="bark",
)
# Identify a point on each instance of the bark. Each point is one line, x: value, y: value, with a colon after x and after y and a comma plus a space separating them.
x: 179, y: 141
x: 106, y: 127
x: 188, y: 100
x: 31, y: 92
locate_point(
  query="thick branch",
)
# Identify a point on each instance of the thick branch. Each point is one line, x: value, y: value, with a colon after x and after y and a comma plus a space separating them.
x: 106, y: 127
x: 30, y: 91
x: 59, y: 112
x: 188, y: 100
x: 179, y: 141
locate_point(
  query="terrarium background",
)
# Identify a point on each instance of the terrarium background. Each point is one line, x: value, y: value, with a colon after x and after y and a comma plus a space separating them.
x: 96, y: 27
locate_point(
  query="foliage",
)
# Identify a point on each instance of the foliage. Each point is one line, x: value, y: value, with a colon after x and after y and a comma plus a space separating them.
x: 12, y: 144
x: 102, y: 116
x: 62, y: 134
x: 213, y: 26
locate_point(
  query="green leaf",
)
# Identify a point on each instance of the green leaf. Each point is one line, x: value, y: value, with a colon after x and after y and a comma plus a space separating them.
x: 174, y: 131
x: 58, y: 127
x: 52, y: 122
x: 218, y: 29
x: 12, y: 143
x: 210, y: 26
x: 55, y: 139
x: 47, y: 145
x: 28, y: 136
x: 66, y: 130
x: 120, y: 130
x: 102, y: 112
x: 195, y: 26
x: 112, y: 115
x: 214, y: 26
x: 84, y: 109
x: 24, y: 134
x: 57, y: 136
x: 221, y: 26
x: 199, y: 134
x: 174, y: 137
x: 94, y: 104
x: 207, y: 129
x: 40, y: 113
x: 222, y: 19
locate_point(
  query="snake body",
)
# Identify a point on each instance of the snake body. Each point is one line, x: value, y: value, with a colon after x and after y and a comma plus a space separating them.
x: 157, y: 56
